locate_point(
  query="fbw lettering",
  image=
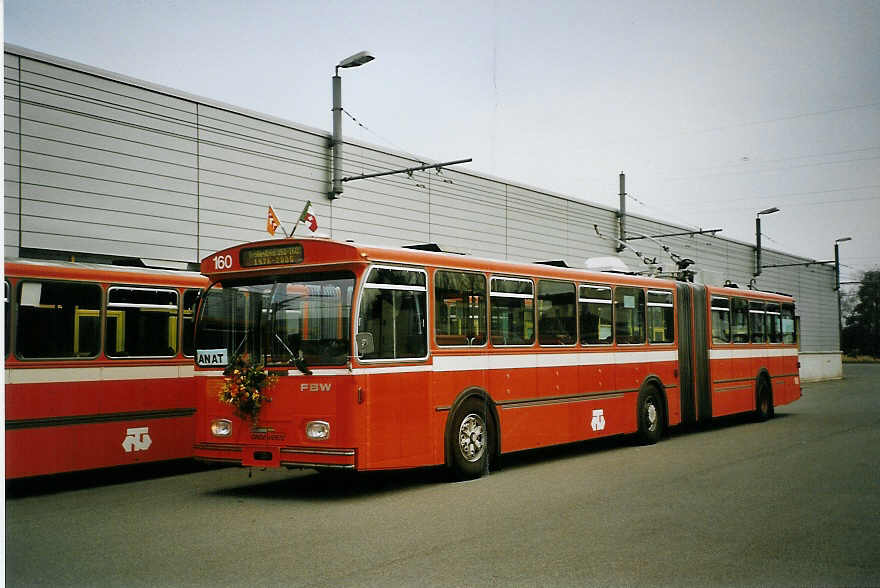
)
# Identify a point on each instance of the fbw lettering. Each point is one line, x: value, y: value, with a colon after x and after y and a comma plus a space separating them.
x: 137, y: 439
x: 315, y: 387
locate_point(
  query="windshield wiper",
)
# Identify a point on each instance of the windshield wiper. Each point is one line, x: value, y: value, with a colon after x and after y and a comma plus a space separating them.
x: 280, y: 340
x: 235, y: 353
x: 296, y: 357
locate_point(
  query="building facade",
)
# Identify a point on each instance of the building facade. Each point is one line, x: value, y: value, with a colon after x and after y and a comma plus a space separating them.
x: 99, y: 166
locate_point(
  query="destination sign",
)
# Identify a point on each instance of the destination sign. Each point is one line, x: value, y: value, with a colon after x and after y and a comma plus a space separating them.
x: 272, y: 255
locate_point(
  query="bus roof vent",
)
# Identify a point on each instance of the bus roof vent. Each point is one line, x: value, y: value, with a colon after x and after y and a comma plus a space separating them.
x: 434, y: 247
x: 608, y: 263
x: 554, y: 262
x: 425, y: 247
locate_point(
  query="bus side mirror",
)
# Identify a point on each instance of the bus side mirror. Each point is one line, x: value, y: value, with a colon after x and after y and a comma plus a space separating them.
x: 364, y: 343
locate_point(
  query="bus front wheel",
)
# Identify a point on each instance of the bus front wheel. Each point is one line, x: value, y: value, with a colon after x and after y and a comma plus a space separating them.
x: 471, y: 440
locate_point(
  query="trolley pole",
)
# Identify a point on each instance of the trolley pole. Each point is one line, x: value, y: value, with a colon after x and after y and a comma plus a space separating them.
x: 621, y: 213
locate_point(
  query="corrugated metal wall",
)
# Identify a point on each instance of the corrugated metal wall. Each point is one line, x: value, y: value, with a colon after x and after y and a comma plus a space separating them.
x: 98, y: 163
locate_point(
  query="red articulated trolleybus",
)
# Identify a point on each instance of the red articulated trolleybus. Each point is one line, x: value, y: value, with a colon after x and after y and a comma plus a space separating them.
x: 98, y: 365
x: 374, y: 358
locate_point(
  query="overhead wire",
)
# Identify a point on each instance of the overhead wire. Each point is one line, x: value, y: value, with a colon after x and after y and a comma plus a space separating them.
x: 280, y: 148
x: 779, y: 119
x: 203, y: 128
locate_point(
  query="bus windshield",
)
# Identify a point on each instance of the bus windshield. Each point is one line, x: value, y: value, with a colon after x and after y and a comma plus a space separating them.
x: 295, y: 319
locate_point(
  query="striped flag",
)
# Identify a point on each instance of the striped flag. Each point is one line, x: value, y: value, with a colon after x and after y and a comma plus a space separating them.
x: 272, y: 222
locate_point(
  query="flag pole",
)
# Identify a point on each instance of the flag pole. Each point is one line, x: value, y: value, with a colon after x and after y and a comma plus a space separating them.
x: 300, y: 217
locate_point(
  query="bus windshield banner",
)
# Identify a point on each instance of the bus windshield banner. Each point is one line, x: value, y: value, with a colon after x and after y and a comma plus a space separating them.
x: 272, y: 255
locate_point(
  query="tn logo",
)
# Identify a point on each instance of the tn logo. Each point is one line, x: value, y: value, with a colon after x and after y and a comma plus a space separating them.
x: 137, y: 439
x: 598, y: 422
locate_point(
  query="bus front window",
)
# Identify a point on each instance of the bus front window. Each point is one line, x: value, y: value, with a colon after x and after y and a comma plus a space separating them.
x: 299, y: 319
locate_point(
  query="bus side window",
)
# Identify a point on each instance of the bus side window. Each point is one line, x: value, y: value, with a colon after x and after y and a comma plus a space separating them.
x: 557, y: 313
x: 141, y: 322
x: 629, y: 315
x: 720, y: 320
x: 58, y: 320
x: 513, y: 311
x: 789, y: 334
x: 394, y: 311
x: 190, y: 297
x: 661, y: 317
x: 773, y: 323
x: 597, y: 325
x: 739, y: 320
x: 459, y: 308
x: 756, y: 321
x: 6, y: 323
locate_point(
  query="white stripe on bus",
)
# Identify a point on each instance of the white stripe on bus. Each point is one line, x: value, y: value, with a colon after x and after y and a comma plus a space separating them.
x: 462, y: 363
x: 97, y: 373
x: 752, y: 353
x: 441, y: 363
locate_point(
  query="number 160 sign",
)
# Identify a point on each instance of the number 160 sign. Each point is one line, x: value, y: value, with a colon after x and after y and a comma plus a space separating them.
x: 222, y: 262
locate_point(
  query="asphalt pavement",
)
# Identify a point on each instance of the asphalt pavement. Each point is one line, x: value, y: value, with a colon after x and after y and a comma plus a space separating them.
x: 794, y: 501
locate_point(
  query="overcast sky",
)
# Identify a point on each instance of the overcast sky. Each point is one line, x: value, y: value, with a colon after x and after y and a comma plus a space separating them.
x: 714, y: 110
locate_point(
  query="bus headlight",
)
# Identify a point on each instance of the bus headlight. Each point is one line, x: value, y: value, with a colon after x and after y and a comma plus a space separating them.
x: 221, y: 428
x: 319, y: 430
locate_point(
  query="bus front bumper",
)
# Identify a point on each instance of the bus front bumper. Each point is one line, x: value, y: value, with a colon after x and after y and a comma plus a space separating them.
x: 290, y: 457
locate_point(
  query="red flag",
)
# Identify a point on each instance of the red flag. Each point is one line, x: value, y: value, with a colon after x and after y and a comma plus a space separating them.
x: 272, y: 223
x: 308, y: 217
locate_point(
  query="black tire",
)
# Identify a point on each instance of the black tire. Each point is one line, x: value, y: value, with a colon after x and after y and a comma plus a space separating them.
x: 651, y: 415
x: 763, y: 400
x: 471, y: 440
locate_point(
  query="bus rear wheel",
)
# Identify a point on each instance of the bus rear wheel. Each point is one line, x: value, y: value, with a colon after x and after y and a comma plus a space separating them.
x: 763, y: 400
x: 471, y: 441
x: 651, y: 416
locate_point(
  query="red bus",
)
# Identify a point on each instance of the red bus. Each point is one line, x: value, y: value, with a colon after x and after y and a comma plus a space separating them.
x: 98, y: 365
x: 376, y: 358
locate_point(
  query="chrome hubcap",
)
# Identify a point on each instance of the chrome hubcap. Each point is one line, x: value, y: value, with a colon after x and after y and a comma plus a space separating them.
x: 470, y: 437
x: 651, y: 412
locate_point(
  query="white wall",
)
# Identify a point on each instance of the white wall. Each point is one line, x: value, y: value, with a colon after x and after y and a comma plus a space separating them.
x: 101, y: 164
x: 821, y: 366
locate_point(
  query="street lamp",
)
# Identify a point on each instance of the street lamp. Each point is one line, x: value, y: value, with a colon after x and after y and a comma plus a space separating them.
x: 837, y: 243
x: 758, y: 238
x: 355, y: 60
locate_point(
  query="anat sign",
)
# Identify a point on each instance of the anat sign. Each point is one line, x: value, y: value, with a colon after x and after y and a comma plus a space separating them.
x: 212, y: 357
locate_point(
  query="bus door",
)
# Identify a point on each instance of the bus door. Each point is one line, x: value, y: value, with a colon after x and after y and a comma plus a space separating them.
x: 394, y: 316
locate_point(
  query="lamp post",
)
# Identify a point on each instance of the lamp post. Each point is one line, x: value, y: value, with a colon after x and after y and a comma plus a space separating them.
x: 355, y: 60
x: 758, y: 238
x: 837, y: 243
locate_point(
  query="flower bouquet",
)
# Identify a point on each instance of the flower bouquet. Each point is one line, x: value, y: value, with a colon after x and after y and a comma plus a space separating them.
x: 245, y: 385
